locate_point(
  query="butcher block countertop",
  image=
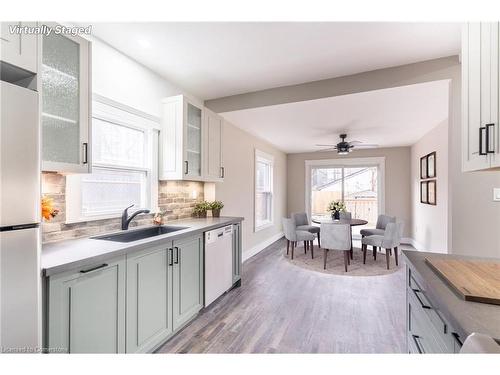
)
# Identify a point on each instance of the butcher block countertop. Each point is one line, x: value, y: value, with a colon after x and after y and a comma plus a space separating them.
x: 465, y: 316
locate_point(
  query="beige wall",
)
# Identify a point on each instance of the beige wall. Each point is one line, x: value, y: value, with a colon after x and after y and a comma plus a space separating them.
x: 430, y: 223
x: 237, y: 190
x: 397, y: 179
x: 473, y: 217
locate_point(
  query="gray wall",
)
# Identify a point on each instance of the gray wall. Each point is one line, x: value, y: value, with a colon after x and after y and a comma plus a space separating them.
x: 473, y: 218
x: 397, y: 179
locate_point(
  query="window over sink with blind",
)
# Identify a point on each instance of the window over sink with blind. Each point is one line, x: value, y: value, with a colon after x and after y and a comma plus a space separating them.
x: 124, y: 172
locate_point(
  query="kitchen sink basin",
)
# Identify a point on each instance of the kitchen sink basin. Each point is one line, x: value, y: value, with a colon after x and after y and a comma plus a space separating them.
x: 138, y: 234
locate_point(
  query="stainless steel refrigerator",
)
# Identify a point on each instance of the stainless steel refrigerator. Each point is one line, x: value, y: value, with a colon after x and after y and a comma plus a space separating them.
x: 20, y: 278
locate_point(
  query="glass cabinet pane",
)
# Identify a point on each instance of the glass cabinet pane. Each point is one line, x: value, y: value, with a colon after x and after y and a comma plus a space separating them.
x: 60, y: 99
x: 193, y: 141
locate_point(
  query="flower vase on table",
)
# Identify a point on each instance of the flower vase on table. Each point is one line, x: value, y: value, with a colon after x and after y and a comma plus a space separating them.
x: 336, y: 207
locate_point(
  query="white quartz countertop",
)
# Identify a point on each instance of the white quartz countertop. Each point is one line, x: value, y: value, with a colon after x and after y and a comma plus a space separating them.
x: 70, y: 255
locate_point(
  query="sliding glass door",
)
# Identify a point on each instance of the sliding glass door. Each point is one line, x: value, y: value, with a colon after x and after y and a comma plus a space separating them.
x: 356, y: 186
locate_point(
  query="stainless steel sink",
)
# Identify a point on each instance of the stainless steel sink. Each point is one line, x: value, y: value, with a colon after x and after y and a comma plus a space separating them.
x: 139, y: 234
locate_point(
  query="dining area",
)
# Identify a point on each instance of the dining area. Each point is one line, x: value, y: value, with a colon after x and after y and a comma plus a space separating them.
x: 334, y: 237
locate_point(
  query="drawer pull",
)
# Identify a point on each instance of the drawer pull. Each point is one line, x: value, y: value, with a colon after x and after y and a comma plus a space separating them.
x: 176, y: 255
x: 416, y: 340
x: 95, y: 268
x: 424, y: 306
x: 171, y: 256
x: 457, y: 338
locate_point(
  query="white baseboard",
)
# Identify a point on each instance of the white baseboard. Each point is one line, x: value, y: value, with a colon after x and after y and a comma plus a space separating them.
x: 412, y: 242
x: 261, y: 246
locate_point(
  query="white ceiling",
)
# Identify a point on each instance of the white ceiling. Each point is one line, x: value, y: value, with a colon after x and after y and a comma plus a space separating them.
x: 212, y: 60
x: 391, y: 117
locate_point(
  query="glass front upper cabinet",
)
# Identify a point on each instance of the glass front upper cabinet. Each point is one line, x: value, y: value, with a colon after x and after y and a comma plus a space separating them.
x: 193, y: 141
x: 66, y: 98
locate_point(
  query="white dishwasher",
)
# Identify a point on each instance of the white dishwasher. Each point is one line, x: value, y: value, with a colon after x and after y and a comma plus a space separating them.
x: 218, y: 262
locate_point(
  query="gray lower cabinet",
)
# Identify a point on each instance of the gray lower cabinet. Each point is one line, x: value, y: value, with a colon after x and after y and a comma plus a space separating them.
x: 128, y: 304
x: 427, y: 330
x: 86, y: 309
x: 237, y: 260
x: 187, y: 279
x: 149, y: 298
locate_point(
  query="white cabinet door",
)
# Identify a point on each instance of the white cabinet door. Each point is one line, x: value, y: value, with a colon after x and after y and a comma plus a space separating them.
x: 212, y: 156
x: 494, y: 134
x: 66, y: 103
x: 181, y: 135
x: 149, y: 298
x: 480, y: 105
x: 87, y: 309
x: 18, y: 49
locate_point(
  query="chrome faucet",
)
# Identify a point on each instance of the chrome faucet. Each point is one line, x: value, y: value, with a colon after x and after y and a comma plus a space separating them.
x: 127, y: 219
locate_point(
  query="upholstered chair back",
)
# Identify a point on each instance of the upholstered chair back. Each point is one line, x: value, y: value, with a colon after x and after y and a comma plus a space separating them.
x: 289, y: 229
x: 383, y: 220
x: 335, y: 236
x: 300, y: 218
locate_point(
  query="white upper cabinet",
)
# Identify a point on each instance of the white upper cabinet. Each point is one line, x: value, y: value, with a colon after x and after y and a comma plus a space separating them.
x: 66, y: 103
x: 190, y: 141
x: 18, y: 49
x: 213, y: 167
x: 181, y: 140
x: 480, y: 99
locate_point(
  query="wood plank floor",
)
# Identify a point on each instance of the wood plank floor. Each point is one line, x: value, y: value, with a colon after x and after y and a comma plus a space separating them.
x: 281, y: 308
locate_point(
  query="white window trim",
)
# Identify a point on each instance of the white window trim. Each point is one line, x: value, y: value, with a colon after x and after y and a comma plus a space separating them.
x: 267, y: 158
x: 378, y: 162
x: 108, y: 110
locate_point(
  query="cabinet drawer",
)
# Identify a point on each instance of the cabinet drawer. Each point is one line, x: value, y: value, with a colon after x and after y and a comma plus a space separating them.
x: 421, y: 335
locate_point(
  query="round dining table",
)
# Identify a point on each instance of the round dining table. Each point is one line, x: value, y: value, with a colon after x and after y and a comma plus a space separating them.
x: 351, y: 222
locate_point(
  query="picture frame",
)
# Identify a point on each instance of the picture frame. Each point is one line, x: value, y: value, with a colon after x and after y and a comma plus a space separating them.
x: 423, y: 192
x: 431, y: 192
x: 423, y: 167
x: 431, y: 165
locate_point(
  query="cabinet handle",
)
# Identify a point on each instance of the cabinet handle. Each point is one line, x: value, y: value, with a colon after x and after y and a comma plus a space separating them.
x: 457, y: 338
x: 94, y: 268
x: 488, y: 151
x: 170, y: 257
x: 481, y: 132
x: 416, y: 340
x: 221, y: 172
x: 424, y: 306
x: 186, y: 167
x: 85, y: 153
x: 176, y: 255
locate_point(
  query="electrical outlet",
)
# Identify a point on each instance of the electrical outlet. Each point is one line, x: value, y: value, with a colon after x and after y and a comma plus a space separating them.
x: 496, y: 194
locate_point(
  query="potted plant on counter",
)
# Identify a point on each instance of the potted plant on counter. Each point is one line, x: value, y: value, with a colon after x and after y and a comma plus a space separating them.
x: 200, y: 209
x: 216, y: 206
x: 335, y: 208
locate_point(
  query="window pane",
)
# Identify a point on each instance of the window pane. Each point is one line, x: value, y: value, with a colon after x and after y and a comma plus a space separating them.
x: 263, y: 204
x: 360, y: 194
x: 109, y: 191
x: 263, y: 176
x: 326, y: 186
x: 117, y: 145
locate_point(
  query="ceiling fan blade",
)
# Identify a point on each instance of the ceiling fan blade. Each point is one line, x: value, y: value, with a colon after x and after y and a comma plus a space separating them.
x: 366, y: 146
x: 326, y: 145
x: 327, y: 149
x: 351, y: 142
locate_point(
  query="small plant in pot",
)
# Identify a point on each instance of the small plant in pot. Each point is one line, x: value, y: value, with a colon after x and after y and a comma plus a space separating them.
x: 200, y: 209
x: 216, y: 206
x: 335, y: 208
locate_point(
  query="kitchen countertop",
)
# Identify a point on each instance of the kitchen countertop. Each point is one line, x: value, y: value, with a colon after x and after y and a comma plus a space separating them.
x: 69, y: 255
x: 466, y: 317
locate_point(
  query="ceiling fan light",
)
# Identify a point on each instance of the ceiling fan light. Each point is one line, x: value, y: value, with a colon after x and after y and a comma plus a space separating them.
x: 343, y: 152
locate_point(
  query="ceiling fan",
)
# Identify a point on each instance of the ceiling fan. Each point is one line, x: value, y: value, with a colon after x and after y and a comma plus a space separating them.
x: 343, y: 147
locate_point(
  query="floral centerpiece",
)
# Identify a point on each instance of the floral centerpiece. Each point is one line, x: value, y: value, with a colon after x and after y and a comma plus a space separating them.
x: 336, y: 207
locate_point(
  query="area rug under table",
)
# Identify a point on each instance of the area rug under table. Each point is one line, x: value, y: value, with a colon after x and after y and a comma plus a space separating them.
x: 335, y: 262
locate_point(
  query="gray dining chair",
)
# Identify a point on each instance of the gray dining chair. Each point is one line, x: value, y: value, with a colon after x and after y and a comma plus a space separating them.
x: 293, y: 236
x: 336, y: 237
x: 345, y: 216
x: 391, y: 239
x: 379, y: 229
x: 302, y: 223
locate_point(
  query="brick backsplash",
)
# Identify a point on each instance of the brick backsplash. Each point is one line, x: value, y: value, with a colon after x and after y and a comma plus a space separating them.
x: 175, y: 196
